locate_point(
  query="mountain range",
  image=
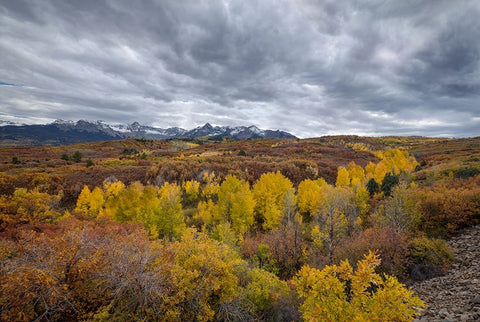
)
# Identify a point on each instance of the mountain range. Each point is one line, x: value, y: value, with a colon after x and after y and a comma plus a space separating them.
x: 63, y: 132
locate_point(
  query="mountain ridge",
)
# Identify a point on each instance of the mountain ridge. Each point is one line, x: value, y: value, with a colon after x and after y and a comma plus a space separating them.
x: 62, y: 132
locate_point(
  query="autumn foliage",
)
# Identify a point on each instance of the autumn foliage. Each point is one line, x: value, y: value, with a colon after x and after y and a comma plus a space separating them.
x: 314, y: 229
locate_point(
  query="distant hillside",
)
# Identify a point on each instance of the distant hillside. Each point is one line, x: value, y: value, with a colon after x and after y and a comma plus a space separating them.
x: 69, y: 132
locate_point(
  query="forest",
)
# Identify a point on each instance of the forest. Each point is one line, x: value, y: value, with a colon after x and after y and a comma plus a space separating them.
x: 326, y: 229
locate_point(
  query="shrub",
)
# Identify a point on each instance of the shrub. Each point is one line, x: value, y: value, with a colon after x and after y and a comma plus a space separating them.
x: 430, y: 257
x: 466, y: 173
x: 242, y: 153
x: 448, y: 207
x: 77, y: 156
x: 390, y: 245
x: 340, y: 293
x: 15, y: 160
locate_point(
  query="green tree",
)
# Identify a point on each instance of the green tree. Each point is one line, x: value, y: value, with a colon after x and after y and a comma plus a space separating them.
x: 388, y: 182
x: 77, y: 157
x: 372, y: 187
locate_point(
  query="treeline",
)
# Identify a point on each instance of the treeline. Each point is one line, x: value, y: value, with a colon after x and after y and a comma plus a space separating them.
x: 217, y: 248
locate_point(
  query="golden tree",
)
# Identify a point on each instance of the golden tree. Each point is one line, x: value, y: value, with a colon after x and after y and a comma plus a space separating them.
x: 236, y: 204
x: 338, y: 293
x: 274, y: 198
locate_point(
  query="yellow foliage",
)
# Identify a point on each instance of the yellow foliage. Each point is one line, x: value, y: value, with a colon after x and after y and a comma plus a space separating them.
x: 335, y: 215
x: 90, y: 203
x: 170, y: 220
x: 236, y: 204
x: 356, y: 173
x: 370, y: 170
x: 192, y: 189
x: 211, y: 186
x: 361, y: 203
x: 395, y: 161
x: 160, y: 209
x: 381, y: 170
x: 28, y: 207
x: 205, y: 274
x: 206, y: 213
x: 264, y: 288
x: 308, y: 195
x: 338, y: 293
x: 343, y: 177
x: 112, y: 189
x: 273, y: 195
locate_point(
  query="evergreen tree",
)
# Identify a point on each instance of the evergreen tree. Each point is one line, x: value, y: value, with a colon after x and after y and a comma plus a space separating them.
x: 388, y: 182
x: 372, y: 187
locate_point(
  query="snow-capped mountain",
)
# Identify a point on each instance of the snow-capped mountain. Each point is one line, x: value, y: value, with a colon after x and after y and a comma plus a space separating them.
x: 67, y: 132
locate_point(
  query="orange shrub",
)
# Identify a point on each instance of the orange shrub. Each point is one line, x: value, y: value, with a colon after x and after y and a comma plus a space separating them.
x: 391, y: 246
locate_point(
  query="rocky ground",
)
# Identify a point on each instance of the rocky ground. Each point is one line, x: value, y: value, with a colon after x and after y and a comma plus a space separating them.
x: 455, y: 296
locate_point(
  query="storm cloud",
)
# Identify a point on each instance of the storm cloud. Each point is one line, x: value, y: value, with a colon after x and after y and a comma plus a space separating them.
x: 310, y: 67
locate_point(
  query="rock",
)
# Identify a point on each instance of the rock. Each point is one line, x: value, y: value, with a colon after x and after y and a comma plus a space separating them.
x: 475, y: 300
x: 458, y: 291
x: 443, y: 312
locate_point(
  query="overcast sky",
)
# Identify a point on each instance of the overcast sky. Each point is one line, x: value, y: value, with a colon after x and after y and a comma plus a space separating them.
x: 310, y: 67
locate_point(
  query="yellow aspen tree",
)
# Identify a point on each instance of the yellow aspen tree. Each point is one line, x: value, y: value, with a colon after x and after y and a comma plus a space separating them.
x: 273, y: 195
x: 399, y: 161
x: 192, y: 190
x: 309, y: 195
x: 89, y: 202
x: 210, y: 185
x: 343, y: 178
x: 170, y: 221
x: 401, y: 211
x: 370, y: 170
x: 361, y: 203
x: 83, y: 200
x: 205, y: 275
x: 97, y: 201
x: 356, y: 173
x: 148, y: 210
x: 381, y: 169
x: 333, y: 217
x: 206, y: 214
x: 125, y: 205
x: 112, y: 189
x: 236, y: 204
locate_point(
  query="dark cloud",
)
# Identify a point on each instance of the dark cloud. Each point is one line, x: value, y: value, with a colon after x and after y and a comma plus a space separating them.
x: 8, y: 84
x: 308, y: 66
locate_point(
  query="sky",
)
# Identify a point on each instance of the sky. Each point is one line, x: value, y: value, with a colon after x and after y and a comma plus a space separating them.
x: 309, y: 67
